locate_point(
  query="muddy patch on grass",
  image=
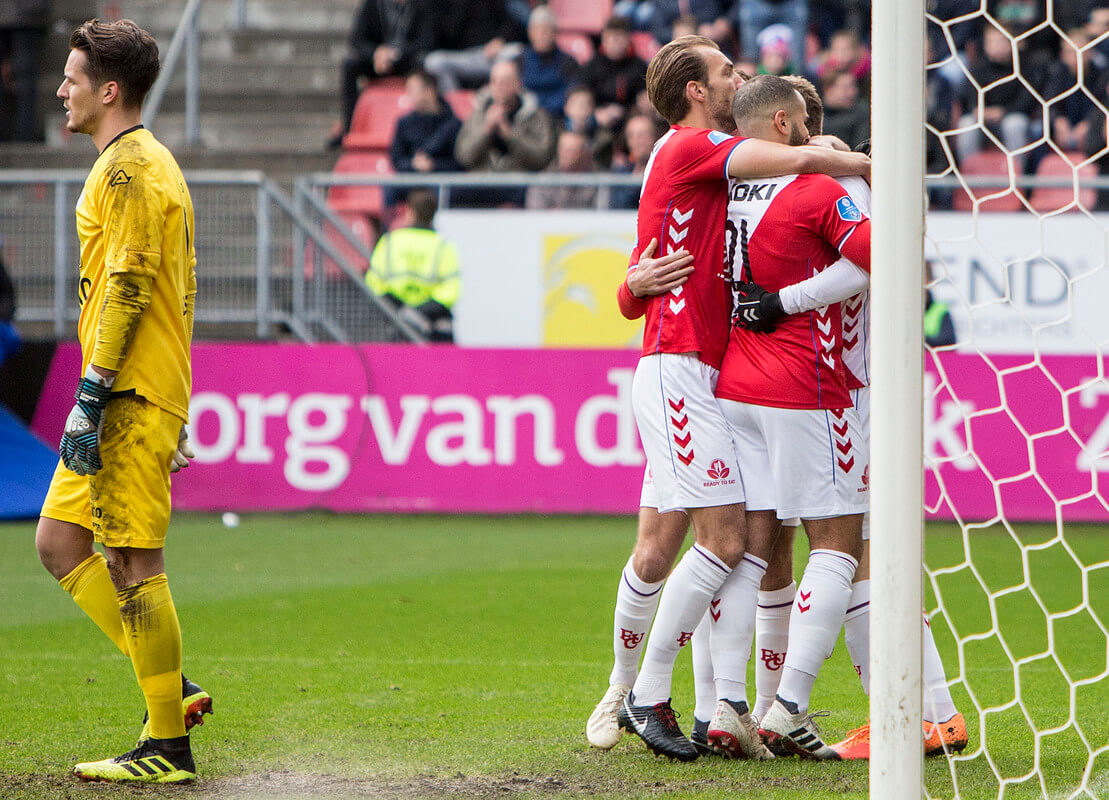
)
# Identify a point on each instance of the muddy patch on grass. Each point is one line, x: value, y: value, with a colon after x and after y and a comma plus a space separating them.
x: 282, y: 785
x: 299, y: 786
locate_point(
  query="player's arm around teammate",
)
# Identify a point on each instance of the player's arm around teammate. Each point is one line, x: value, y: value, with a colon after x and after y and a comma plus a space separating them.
x: 137, y: 292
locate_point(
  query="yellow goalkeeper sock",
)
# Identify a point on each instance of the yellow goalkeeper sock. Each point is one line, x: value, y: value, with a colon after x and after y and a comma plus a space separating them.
x: 154, y: 639
x: 94, y: 593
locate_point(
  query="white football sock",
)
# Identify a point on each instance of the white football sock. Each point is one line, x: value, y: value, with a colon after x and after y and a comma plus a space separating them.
x: 732, y: 612
x: 704, y: 690
x: 814, y: 622
x: 856, y: 631
x: 684, y: 601
x: 938, y: 705
x: 771, y: 639
x: 636, y: 601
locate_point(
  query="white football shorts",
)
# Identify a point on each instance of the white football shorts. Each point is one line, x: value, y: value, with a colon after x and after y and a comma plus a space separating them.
x: 690, y: 456
x: 807, y: 463
x: 861, y: 397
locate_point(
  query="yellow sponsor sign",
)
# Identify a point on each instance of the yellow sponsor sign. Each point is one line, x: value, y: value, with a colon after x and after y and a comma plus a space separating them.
x: 581, y: 273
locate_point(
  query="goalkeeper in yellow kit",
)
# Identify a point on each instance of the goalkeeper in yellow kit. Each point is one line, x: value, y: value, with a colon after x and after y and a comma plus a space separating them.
x: 125, y: 434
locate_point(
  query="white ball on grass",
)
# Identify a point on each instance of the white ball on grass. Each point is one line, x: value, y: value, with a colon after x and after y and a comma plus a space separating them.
x: 230, y: 519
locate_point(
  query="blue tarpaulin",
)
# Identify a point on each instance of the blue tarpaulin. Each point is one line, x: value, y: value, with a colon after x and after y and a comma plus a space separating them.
x: 26, y: 466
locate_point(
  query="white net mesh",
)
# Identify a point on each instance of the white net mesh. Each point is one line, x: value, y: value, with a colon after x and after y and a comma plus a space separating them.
x: 1017, y: 407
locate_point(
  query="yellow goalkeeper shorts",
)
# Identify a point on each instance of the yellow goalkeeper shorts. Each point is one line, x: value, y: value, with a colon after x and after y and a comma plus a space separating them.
x: 126, y: 503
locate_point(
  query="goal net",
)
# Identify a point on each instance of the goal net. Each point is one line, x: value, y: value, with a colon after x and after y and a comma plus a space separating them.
x: 1016, y: 399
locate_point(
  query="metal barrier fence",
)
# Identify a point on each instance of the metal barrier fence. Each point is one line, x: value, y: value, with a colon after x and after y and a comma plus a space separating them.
x: 274, y: 263
x: 255, y: 260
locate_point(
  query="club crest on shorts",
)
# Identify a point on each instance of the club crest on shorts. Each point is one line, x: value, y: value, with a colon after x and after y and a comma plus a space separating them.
x: 718, y: 473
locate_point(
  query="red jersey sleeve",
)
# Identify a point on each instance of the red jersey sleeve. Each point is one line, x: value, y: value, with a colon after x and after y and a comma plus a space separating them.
x: 825, y: 208
x: 703, y: 156
x: 631, y: 307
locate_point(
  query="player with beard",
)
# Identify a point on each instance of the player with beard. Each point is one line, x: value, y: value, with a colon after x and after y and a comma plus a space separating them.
x: 691, y: 459
x: 785, y: 395
x: 845, y: 283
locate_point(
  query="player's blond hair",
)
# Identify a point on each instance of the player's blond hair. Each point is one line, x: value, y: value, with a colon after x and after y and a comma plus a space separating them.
x: 676, y: 64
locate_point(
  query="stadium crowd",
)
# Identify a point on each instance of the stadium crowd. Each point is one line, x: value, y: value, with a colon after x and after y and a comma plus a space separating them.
x: 494, y: 85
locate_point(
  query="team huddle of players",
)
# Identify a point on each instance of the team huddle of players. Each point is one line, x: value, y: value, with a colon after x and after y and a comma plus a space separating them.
x: 752, y: 406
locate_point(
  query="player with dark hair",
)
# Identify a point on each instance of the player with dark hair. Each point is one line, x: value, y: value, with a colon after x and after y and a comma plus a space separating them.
x: 848, y: 285
x: 786, y: 397
x: 137, y: 292
x: 691, y: 459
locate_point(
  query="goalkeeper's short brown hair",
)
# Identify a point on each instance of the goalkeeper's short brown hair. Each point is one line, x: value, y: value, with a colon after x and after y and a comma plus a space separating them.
x: 676, y: 64
x: 119, y: 51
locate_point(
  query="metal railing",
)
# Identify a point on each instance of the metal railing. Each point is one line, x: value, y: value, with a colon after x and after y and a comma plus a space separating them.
x: 275, y: 263
x: 257, y: 257
x: 186, y: 37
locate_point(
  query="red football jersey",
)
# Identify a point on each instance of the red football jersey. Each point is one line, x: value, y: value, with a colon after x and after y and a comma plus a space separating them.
x: 684, y: 204
x: 781, y: 231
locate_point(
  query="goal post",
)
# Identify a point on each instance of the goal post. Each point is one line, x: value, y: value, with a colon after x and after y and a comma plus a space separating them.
x: 897, y: 436
x: 1001, y: 433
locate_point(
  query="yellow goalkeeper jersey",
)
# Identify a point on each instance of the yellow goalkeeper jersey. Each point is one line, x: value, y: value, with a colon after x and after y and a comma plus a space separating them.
x: 135, y: 216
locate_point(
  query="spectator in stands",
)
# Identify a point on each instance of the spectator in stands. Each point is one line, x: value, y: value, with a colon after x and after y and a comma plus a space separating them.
x: 845, y: 114
x: 757, y: 15
x: 776, y: 51
x: 616, y: 74
x: 22, y: 33
x: 1017, y: 16
x: 571, y: 158
x: 640, y: 134
x: 471, y: 35
x: 939, y: 328
x: 1006, y: 106
x: 546, y: 71
x: 711, y: 18
x: 940, y: 103
x: 507, y: 131
x: 9, y: 338
x: 1096, y: 139
x: 1096, y: 27
x: 1069, y: 123
x: 578, y: 117
x: 389, y: 37
x: 424, y: 138
x: 828, y: 16
x: 685, y: 25
x: 415, y: 270
x: 846, y: 53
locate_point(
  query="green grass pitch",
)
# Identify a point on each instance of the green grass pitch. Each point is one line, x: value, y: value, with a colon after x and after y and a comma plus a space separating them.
x: 378, y: 656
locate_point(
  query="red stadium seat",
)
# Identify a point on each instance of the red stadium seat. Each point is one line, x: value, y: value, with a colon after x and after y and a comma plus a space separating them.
x: 1047, y: 199
x: 584, y: 16
x: 362, y: 227
x: 644, y: 45
x: 461, y: 102
x: 361, y: 199
x: 992, y: 163
x: 578, y: 45
x: 379, y: 107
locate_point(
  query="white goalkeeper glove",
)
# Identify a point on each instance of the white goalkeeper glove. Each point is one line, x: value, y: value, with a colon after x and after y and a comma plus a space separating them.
x: 80, y: 447
x: 184, y: 453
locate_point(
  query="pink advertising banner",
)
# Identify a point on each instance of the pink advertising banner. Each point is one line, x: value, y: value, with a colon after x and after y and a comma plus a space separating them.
x: 402, y: 428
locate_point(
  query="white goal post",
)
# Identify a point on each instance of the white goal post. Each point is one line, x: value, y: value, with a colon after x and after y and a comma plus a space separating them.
x: 1002, y: 432
x: 897, y: 496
